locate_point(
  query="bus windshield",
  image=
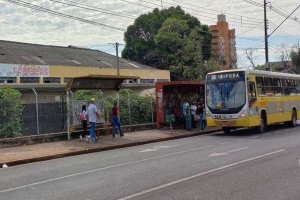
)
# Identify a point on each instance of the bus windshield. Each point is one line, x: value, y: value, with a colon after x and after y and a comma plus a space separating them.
x: 226, y: 96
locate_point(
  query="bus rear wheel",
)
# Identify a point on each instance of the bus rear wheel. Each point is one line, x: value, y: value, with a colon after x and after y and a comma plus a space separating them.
x: 226, y: 130
x: 293, y: 123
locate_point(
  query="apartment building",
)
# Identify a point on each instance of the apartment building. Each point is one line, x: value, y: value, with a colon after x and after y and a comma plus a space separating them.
x: 223, y: 43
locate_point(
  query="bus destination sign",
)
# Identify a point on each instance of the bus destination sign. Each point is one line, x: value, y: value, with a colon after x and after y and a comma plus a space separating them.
x: 226, y: 76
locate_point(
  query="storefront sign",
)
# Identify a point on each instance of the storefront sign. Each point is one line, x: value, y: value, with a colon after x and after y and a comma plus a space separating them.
x: 18, y: 70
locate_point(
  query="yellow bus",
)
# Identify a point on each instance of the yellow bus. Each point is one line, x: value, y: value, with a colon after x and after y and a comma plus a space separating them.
x: 243, y: 98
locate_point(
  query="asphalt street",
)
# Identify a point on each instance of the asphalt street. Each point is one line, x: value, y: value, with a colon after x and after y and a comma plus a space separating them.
x: 239, y: 165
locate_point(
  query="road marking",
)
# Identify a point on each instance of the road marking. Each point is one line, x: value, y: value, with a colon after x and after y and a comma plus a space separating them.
x: 198, y: 175
x: 254, y: 137
x: 226, y: 153
x: 225, y: 143
x: 100, y: 169
x: 158, y: 148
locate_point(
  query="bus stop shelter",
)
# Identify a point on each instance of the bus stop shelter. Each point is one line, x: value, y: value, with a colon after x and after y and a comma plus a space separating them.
x: 94, y: 82
x: 171, y: 94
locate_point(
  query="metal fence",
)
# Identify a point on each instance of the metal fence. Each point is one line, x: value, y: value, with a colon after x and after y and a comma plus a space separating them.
x: 47, y: 113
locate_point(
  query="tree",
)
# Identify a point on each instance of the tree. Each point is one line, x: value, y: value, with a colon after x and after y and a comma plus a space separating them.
x: 141, y: 46
x: 212, y: 66
x: 295, y: 56
x: 251, y: 56
x: 181, y: 45
x: 284, y: 55
x: 11, y: 108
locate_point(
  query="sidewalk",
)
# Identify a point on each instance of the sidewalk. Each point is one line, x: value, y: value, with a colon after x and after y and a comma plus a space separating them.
x: 46, y: 151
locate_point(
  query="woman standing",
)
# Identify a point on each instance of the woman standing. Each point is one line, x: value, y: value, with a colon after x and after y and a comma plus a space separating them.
x: 83, y: 122
x: 116, y: 120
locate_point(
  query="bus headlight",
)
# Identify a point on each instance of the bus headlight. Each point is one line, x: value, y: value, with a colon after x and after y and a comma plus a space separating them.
x: 244, y: 114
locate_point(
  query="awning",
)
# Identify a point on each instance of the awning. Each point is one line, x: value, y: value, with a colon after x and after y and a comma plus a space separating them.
x: 96, y: 82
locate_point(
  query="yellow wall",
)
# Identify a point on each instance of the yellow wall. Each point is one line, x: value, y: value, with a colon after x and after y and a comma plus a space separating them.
x: 69, y: 71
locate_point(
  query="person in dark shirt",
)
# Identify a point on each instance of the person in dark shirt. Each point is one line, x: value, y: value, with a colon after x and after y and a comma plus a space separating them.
x: 116, y: 120
x: 200, y: 113
x: 177, y: 113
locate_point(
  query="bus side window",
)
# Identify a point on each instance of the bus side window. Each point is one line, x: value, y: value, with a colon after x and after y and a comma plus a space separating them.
x: 277, y: 86
x: 260, y: 86
x: 285, y: 89
x: 291, y: 86
x: 297, y: 85
x: 269, y: 86
x: 251, y: 89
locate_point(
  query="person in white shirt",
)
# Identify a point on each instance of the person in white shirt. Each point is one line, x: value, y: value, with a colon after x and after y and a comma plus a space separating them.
x: 92, y: 115
x: 193, y: 113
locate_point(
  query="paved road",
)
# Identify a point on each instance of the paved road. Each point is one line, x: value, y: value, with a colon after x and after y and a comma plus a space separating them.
x: 240, y: 165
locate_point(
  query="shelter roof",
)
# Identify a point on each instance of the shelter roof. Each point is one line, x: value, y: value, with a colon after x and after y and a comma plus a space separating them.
x: 96, y: 82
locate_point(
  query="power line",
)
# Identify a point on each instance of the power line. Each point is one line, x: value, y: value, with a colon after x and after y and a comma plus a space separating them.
x: 249, y: 18
x: 271, y: 23
x: 284, y: 21
x: 272, y: 8
x: 42, y: 9
x: 251, y: 23
x: 250, y: 29
x: 87, y: 7
x: 203, y: 17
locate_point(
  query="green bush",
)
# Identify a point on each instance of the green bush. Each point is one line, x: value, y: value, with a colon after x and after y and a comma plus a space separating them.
x: 11, y: 108
x: 140, y: 106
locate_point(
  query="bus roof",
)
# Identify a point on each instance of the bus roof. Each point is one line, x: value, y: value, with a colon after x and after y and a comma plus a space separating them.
x: 260, y: 72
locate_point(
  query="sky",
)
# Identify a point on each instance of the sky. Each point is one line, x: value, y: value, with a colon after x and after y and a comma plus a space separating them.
x: 108, y: 19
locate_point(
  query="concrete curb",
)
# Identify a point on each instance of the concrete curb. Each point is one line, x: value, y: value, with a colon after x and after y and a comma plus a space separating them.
x: 99, y: 149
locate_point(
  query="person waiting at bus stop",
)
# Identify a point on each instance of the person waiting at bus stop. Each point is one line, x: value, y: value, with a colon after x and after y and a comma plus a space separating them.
x: 186, y: 112
x: 176, y: 111
x: 116, y: 120
x: 200, y: 113
x: 91, y: 117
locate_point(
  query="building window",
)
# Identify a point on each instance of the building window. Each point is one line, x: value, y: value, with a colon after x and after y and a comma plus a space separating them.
x: 147, y: 81
x: 29, y: 79
x: 66, y: 80
x: 51, y: 80
x: 8, y: 79
x: 133, y: 81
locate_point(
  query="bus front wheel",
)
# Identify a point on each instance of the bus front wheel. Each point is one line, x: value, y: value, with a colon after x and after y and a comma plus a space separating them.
x: 263, y: 124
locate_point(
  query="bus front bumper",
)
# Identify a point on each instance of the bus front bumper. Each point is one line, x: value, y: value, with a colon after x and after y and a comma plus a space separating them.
x: 245, y: 122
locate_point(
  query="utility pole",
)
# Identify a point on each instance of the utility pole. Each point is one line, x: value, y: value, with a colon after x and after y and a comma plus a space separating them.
x: 116, y: 45
x: 117, y: 54
x: 266, y: 35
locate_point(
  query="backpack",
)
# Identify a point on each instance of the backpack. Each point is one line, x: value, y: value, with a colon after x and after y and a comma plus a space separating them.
x: 81, y: 116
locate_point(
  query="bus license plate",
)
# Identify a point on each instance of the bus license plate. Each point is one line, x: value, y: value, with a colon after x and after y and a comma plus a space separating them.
x: 224, y: 123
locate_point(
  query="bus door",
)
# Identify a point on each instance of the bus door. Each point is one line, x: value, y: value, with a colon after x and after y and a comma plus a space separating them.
x: 279, y: 98
x: 252, y: 100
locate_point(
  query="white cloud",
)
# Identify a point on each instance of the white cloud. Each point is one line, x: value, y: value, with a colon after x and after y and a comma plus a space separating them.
x: 26, y: 25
